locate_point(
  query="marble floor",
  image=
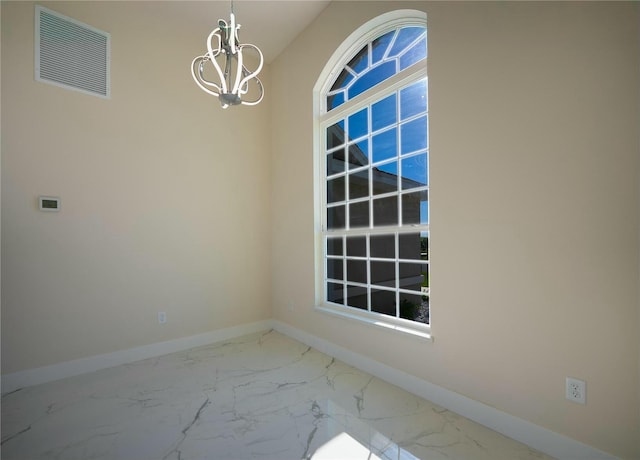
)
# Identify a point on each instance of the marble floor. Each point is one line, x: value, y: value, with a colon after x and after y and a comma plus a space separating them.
x: 262, y: 396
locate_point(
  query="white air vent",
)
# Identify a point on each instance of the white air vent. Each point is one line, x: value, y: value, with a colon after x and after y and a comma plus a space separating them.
x: 71, y: 54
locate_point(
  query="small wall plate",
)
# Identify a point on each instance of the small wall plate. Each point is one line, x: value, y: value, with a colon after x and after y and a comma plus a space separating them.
x: 49, y: 203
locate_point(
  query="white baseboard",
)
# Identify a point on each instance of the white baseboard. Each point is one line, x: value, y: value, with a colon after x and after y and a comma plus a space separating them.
x: 542, y: 439
x: 30, y: 377
x: 547, y: 441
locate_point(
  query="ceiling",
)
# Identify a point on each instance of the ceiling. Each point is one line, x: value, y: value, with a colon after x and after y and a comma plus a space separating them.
x: 269, y: 24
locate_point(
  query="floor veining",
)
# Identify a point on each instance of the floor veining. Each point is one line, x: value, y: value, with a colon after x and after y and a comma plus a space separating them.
x: 261, y: 396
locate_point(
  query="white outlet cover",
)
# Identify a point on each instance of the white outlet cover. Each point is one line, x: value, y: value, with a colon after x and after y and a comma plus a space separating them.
x: 162, y: 317
x: 576, y: 390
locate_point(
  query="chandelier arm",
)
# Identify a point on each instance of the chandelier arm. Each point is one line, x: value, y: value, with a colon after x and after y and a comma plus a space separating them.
x: 216, y: 33
x: 212, y: 57
x: 198, y: 76
x: 256, y: 101
x: 255, y: 72
x: 237, y: 81
x: 244, y: 89
x: 260, y: 97
x: 201, y: 81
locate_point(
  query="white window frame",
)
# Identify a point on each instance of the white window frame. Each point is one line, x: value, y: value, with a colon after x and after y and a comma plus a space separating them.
x: 322, y: 119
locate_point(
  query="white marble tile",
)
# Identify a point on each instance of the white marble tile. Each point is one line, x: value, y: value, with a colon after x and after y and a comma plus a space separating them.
x: 262, y: 396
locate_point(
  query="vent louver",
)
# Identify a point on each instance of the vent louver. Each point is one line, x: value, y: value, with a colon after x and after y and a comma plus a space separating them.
x: 71, y: 54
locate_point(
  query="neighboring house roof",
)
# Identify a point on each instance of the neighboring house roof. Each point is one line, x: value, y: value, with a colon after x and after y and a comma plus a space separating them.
x: 359, y: 158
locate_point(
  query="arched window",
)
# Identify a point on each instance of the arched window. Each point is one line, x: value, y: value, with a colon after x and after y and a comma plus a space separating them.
x: 372, y: 182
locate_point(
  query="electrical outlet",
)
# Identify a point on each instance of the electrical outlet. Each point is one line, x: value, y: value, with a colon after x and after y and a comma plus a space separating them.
x: 291, y: 305
x: 576, y: 390
x: 162, y: 317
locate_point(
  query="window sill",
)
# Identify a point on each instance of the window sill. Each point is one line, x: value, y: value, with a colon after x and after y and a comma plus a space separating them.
x: 419, y: 331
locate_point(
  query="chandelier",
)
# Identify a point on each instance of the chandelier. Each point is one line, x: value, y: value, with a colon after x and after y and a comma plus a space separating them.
x: 224, y: 51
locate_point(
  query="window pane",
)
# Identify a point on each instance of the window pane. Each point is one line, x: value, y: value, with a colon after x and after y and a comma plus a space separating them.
x: 383, y: 113
x: 405, y: 37
x: 357, y: 271
x: 357, y: 297
x: 334, y: 246
x: 343, y: 80
x: 335, y: 135
x: 359, y: 124
x: 359, y: 184
x: 335, y: 218
x: 357, y: 246
x: 414, y: 307
x: 414, y: 135
x: 359, y: 214
x: 410, y: 245
x: 335, y: 293
x: 335, y: 100
x: 413, y: 276
x: 335, y: 190
x: 385, y: 145
x: 385, y: 178
x: 335, y: 162
x: 383, y: 274
x: 414, y: 171
x: 385, y: 211
x: 361, y: 60
x: 359, y: 154
x: 424, y: 245
x: 413, y: 100
x: 371, y: 78
x: 335, y: 269
x: 379, y: 46
x: 415, y: 208
x: 383, y: 246
x: 383, y: 302
x: 423, y: 316
x: 417, y: 53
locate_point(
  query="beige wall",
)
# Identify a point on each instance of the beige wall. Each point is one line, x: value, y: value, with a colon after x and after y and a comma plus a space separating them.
x: 165, y: 196
x: 534, y: 173
x: 535, y: 207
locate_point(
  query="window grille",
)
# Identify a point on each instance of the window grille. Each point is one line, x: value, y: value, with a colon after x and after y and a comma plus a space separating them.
x: 375, y: 180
